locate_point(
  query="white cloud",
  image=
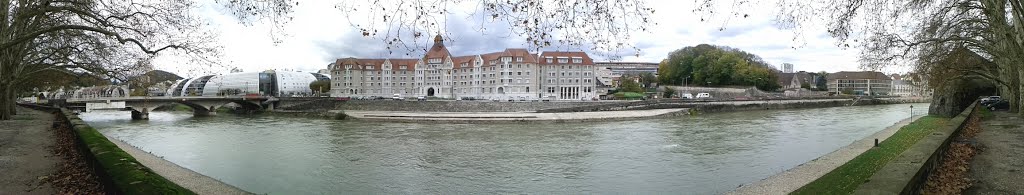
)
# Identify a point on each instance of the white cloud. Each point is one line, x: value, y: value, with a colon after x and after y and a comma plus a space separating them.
x: 320, y: 33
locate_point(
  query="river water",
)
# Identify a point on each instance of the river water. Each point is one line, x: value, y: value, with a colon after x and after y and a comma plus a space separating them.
x: 703, y: 154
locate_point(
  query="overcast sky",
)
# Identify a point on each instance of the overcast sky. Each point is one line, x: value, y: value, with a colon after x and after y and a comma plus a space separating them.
x: 320, y: 33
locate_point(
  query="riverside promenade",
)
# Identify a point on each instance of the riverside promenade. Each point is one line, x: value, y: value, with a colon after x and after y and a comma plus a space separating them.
x: 511, y: 116
x: 998, y: 168
x: 792, y: 179
x: 25, y: 157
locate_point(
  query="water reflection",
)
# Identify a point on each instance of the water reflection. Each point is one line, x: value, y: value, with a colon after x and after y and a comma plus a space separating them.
x: 702, y: 154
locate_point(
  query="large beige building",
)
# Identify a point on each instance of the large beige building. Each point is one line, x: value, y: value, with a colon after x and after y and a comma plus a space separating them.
x: 512, y: 74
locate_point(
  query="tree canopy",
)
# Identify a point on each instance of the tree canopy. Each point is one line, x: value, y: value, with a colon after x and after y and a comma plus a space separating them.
x: 709, y: 65
x: 112, y: 39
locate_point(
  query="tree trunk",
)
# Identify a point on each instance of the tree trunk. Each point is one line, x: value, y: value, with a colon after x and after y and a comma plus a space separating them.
x: 6, y: 104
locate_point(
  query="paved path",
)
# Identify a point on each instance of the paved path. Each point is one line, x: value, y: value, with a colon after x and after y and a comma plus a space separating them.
x: 25, y: 153
x: 196, y: 182
x: 999, y: 168
x: 792, y: 179
x: 509, y: 116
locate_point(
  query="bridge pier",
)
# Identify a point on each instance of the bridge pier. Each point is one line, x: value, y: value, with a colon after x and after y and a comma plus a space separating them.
x: 140, y: 115
x: 211, y: 111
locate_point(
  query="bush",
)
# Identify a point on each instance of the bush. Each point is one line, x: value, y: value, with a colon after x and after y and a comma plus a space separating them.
x: 340, y: 116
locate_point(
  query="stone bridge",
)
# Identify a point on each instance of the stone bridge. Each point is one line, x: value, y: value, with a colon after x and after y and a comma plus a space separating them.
x: 201, y: 105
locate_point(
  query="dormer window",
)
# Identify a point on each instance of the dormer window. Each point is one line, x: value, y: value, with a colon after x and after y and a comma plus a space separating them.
x: 403, y: 67
x: 435, y: 60
x: 549, y: 60
x: 368, y: 67
x: 577, y: 61
x: 563, y: 60
x: 519, y: 59
x: 506, y: 59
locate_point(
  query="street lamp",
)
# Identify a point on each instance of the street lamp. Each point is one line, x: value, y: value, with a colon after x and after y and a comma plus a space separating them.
x: 911, y: 111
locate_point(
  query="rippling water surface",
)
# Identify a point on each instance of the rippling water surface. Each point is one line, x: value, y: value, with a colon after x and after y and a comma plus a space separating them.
x: 704, y: 154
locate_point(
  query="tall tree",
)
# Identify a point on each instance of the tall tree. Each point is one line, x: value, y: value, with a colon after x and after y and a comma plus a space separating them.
x: 100, y: 37
x: 920, y: 33
x: 715, y: 66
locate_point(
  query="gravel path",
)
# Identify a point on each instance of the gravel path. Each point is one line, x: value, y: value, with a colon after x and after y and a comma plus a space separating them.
x: 792, y: 179
x: 25, y: 156
x: 999, y: 168
x: 196, y: 182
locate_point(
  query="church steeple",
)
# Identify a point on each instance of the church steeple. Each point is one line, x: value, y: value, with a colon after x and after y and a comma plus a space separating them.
x: 438, y: 39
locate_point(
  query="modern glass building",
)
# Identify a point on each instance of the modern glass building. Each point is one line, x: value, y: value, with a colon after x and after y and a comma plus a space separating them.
x: 266, y: 83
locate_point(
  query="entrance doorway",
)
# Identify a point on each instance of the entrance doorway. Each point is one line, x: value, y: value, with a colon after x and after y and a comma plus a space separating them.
x: 430, y: 91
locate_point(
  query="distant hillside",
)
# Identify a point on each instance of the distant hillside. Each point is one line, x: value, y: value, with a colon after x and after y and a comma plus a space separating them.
x: 156, y: 76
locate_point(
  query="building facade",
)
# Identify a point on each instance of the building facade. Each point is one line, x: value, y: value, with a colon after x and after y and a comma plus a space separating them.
x: 266, y: 83
x: 859, y: 83
x: 512, y: 74
x: 624, y: 68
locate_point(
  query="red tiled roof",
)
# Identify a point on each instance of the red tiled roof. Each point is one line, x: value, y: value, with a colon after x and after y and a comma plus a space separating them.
x: 570, y: 54
x: 438, y: 50
x: 409, y: 63
x: 457, y: 61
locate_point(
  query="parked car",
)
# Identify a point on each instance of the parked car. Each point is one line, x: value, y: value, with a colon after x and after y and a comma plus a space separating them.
x: 397, y: 97
x: 999, y: 105
x: 495, y: 99
x: 990, y: 99
x: 686, y: 96
x: 421, y: 98
x: 703, y: 95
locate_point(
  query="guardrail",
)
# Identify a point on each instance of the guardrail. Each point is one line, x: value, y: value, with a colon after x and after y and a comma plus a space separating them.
x: 907, y: 173
x: 118, y: 170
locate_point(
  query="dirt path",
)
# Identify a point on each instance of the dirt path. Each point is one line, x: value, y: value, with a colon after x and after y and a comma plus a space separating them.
x: 25, y: 157
x: 999, y: 168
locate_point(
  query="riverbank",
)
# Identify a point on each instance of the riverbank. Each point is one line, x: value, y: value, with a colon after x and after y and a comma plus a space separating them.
x: 198, y: 183
x: 25, y: 158
x: 473, y: 117
x: 792, y: 179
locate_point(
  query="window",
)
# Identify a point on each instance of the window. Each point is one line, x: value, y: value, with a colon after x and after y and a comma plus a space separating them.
x: 549, y: 60
x: 563, y: 60
x: 519, y: 59
x: 519, y: 73
x: 435, y: 60
x: 577, y: 61
x: 527, y: 89
x: 369, y: 67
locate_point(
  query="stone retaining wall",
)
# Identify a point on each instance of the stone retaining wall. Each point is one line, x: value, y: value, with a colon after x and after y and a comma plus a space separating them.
x: 460, y: 106
x: 907, y: 173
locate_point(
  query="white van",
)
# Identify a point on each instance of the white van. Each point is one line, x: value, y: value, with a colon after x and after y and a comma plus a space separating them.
x: 686, y: 96
x: 703, y: 95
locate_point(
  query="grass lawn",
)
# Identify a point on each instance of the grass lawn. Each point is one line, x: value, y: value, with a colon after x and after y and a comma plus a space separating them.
x: 844, y: 179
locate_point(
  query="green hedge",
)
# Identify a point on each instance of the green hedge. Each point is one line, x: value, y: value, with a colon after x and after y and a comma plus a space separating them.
x: 127, y: 174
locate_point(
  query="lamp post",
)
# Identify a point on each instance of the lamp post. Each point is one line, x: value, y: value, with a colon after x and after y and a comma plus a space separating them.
x: 911, y: 111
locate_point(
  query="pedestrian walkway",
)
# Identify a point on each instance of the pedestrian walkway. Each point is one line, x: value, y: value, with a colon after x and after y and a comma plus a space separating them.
x: 999, y: 168
x: 25, y: 157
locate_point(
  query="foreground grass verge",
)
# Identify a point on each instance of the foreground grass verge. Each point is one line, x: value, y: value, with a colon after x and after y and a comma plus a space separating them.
x: 845, y: 178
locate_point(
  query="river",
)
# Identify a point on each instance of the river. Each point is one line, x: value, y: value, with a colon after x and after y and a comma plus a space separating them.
x: 702, y: 154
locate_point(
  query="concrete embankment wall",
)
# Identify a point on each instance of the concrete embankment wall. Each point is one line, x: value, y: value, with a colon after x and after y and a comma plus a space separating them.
x: 907, y: 173
x: 460, y: 106
x: 712, y: 108
x: 120, y: 172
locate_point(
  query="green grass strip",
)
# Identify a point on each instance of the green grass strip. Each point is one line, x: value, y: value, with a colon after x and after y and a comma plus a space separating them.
x: 128, y: 175
x: 845, y: 179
